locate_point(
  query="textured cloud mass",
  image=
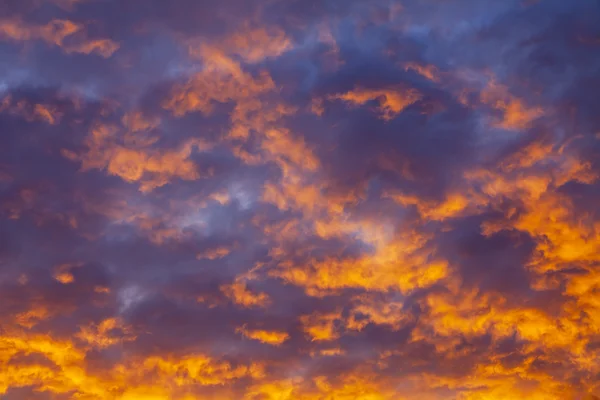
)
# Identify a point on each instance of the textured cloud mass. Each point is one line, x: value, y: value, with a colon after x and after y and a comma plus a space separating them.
x: 299, y: 200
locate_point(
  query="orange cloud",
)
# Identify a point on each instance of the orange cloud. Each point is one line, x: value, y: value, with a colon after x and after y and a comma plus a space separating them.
x: 154, y: 377
x: 428, y: 71
x: 214, y: 254
x: 140, y: 162
x: 131, y: 166
x: 402, y: 265
x: 31, y: 112
x: 391, y: 100
x: 454, y: 205
x: 69, y: 36
x: 349, y: 387
x: 239, y: 294
x: 516, y: 114
x: 31, y: 318
x: 221, y: 80
x: 136, y: 122
x: 101, y: 335
x: 63, y: 273
x: 372, y: 310
x: 255, y: 45
x: 274, y: 338
x: 321, y: 327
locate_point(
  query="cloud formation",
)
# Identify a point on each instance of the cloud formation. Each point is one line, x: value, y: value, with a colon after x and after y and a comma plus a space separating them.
x: 281, y: 200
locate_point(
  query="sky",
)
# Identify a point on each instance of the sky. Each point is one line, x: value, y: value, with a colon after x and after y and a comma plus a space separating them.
x: 299, y: 199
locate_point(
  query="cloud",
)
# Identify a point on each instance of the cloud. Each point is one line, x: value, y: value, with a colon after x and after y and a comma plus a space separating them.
x: 297, y: 200
x: 239, y: 294
x: 274, y: 338
x: 69, y: 36
x: 391, y: 101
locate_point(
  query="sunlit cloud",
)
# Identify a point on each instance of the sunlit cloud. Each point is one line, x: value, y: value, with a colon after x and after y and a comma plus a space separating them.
x: 69, y: 36
x: 277, y: 200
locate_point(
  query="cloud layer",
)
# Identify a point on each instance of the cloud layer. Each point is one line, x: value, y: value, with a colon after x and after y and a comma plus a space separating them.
x: 313, y: 200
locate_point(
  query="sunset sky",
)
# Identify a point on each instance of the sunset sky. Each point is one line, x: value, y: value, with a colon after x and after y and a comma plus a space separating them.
x: 299, y: 199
